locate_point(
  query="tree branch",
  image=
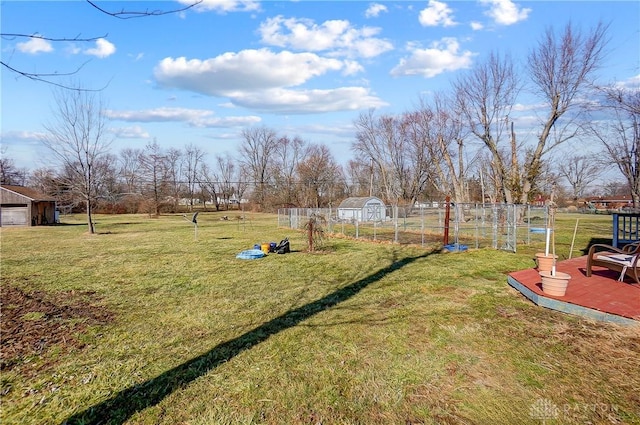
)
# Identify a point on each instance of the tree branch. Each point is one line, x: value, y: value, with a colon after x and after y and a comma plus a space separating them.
x: 124, y: 14
x: 45, y: 77
x: 41, y: 37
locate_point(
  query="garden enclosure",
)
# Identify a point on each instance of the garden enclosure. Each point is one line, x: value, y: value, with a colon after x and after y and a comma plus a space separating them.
x: 499, y: 226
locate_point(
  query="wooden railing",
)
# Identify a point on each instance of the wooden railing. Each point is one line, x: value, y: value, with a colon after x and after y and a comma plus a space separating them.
x: 625, y: 228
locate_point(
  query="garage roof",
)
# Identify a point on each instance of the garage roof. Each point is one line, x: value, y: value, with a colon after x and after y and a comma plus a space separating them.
x: 28, y: 192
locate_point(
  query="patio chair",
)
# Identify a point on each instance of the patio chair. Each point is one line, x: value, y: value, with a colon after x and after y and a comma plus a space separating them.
x: 623, y: 261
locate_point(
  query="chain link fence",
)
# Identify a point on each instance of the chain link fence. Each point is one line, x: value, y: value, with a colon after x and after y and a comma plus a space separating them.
x: 498, y: 226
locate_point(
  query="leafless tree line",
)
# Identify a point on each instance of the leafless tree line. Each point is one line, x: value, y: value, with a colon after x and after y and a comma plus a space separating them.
x: 471, y: 130
x: 464, y: 143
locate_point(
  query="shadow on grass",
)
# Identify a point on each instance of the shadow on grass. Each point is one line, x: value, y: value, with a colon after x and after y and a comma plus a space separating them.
x: 593, y: 241
x: 124, y: 404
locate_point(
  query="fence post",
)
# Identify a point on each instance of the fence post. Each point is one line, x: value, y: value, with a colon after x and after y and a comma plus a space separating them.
x: 495, y: 226
x: 422, y: 224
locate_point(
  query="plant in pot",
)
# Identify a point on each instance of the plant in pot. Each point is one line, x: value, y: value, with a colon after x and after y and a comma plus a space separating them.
x: 553, y: 282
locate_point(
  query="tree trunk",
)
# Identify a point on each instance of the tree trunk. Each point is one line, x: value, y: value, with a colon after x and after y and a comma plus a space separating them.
x: 92, y: 228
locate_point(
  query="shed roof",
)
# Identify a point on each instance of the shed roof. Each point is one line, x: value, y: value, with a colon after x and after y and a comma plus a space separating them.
x: 358, y: 202
x: 28, y: 192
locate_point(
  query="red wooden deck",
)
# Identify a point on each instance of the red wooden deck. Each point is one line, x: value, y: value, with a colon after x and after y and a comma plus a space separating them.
x: 599, y: 297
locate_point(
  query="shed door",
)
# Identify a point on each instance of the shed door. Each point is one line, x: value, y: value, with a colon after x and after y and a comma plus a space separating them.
x: 13, y: 216
x: 373, y: 212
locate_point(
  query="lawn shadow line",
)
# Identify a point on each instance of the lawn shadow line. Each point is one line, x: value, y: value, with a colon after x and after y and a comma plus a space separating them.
x: 125, y: 403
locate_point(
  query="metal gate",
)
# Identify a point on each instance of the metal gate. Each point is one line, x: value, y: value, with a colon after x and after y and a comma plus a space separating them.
x: 505, y: 220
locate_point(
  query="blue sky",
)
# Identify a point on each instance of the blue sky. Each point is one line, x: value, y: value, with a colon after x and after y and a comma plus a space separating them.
x: 305, y: 68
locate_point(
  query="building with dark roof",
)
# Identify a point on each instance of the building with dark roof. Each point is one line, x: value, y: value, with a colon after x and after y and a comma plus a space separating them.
x: 24, y: 206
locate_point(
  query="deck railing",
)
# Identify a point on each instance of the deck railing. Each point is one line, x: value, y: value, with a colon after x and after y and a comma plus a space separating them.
x: 625, y: 228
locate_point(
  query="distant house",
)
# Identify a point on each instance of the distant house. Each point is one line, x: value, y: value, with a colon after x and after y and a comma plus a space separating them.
x: 362, y: 209
x: 609, y: 203
x: 23, y: 206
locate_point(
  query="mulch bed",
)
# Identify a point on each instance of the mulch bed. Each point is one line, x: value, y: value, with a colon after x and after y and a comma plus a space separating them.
x: 32, y: 322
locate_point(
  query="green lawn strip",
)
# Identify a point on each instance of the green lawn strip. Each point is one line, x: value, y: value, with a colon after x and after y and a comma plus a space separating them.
x: 357, y: 333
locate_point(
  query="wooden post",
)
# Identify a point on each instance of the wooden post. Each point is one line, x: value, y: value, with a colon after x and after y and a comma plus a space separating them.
x: 447, y: 213
x: 310, y: 225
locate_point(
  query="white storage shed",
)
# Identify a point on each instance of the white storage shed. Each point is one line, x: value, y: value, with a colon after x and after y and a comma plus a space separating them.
x: 362, y: 209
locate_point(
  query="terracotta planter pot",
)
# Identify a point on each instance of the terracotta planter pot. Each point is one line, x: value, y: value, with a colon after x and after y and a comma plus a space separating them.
x: 555, y: 285
x: 544, y: 263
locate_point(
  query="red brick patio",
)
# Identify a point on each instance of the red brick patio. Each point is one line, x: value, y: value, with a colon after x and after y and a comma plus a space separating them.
x: 600, y: 297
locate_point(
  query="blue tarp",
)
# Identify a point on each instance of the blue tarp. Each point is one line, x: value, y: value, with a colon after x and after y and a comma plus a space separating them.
x: 251, y: 254
x: 455, y: 247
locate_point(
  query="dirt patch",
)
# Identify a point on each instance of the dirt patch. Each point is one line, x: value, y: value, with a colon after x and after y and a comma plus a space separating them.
x: 33, y: 322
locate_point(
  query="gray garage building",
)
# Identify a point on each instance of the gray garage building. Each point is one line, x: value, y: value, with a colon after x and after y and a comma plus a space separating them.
x: 24, y: 206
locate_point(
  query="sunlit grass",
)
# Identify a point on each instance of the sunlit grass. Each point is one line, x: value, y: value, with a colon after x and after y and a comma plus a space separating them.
x: 359, y: 333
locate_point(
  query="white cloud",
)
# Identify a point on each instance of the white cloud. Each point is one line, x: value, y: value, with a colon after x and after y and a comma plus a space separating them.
x: 24, y: 136
x: 134, y: 132
x: 72, y: 49
x: 246, y: 70
x: 338, y: 37
x: 158, y: 114
x: 374, y: 10
x: 136, y: 57
x: 224, y: 6
x: 223, y: 122
x: 310, y: 101
x: 442, y: 56
x: 193, y: 117
x: 505, y: 12
x: 339, y: 130
x: 352, y: 68
x: 103, y: 49
x: 436, y: 14
x: 476, y: 26
x: 632, y: 83
x: 262, y: 80
x: 35, y: 45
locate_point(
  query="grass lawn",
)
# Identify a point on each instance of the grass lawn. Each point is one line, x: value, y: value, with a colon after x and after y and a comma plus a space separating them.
x: 145, y: 324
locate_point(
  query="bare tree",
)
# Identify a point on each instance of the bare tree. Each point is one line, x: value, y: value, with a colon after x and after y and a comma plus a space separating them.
x: 226, y: 170
x: 318, y: 175
x: 395, y: 146
x: 9, y: 173
x: 129, y: 169
x: 260, y: 144
x: 484, y: 97
x: 242, y: 182
x: 154, y: 166
x: 289, y: 153
x: 490, y: 186
x: 439, y: 134
x: 579, y: 171
x: 77, y: 137
x: 192, y: 160
x: 110, y: 187
x: 360, y: 177
x: 208, y: 181
x: 561, y: 68
x: 173, y: 158
x: 620, y: 135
